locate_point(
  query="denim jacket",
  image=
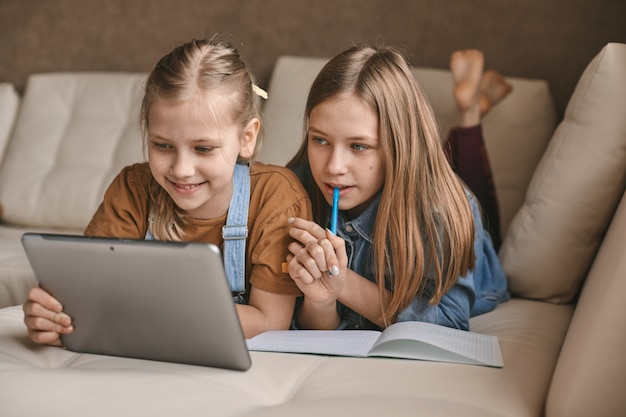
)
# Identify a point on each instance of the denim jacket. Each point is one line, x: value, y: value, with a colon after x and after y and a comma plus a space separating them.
x: 478, y: 292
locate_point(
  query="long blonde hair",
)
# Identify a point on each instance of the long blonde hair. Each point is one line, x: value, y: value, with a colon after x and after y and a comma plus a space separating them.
x: 424, y: 223
x: 197, y: 67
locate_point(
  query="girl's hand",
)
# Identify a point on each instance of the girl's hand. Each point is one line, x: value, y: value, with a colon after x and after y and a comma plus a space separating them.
x: 318, y: 261
x: 44, y: 318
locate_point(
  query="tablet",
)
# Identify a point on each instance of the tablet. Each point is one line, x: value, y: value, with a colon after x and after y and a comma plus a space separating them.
x: 145, y: 299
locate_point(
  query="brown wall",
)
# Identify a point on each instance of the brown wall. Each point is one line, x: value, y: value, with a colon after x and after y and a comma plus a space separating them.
x: 550, y: 39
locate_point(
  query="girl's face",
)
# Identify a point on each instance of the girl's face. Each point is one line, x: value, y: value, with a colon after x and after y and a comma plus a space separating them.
x: 344, y: 151
x: 193, y: 157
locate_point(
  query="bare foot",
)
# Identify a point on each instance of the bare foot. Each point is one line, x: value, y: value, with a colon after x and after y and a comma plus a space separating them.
x: 493, y: 88
x: 467, y: 69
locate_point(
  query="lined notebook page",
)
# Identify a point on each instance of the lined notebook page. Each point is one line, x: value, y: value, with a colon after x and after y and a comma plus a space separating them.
x: 475, y: 346
x: 323, y: 342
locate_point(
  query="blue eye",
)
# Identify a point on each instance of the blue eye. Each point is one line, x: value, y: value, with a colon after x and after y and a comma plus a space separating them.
x: 204, y: 149
x: 318, y: 140
x: 359, y: 147
x: 161, y: 145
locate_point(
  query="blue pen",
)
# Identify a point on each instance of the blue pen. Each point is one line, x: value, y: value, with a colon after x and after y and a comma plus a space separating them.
x: 335, y: 211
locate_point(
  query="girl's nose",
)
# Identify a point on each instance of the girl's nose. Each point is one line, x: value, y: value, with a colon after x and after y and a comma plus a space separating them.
x: 182, y: 166
x: 337, y: 162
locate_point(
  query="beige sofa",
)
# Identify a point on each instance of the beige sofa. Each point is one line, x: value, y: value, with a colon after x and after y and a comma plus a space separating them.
x: 559, y: 190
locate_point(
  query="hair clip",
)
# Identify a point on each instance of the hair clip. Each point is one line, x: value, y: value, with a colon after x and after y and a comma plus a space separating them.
x: 259, y: 91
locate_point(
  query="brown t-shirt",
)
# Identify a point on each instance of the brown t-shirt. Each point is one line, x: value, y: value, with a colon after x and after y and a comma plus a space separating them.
x: 275, y: 195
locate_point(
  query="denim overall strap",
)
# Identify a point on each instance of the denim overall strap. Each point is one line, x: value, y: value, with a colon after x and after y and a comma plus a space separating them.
x: 235, y: 231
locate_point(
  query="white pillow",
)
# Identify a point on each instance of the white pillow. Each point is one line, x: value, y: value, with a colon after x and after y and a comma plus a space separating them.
x: 575, y: 189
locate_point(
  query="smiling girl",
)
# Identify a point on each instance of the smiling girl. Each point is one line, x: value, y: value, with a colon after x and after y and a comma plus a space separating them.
x: 201, y: 123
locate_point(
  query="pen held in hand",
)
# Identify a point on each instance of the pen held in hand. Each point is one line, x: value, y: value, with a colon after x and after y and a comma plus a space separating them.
x: 335, y: 211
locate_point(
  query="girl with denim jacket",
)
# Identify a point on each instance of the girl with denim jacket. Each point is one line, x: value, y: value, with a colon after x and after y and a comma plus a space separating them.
x: 409, y: 242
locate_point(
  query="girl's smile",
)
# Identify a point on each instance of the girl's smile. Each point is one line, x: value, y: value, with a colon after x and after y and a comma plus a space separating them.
x: 186, y: 188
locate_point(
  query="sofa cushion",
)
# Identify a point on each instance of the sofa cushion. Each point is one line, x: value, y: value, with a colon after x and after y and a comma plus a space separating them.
x: 574, y: 192
x: 74, y: 132
x: 516, y: 131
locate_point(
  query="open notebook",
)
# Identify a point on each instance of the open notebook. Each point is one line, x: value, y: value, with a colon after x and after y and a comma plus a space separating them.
x: 407, y: 340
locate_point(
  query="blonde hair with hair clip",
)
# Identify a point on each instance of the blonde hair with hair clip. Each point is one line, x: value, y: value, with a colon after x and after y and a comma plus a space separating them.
x: 424, y: 225
x: 199, y: 67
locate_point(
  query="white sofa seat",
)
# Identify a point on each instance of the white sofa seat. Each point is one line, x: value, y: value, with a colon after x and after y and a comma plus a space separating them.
x: 530, y: 333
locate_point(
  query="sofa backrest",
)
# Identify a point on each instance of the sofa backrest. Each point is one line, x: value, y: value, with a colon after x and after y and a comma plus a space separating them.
x: 9, y: 105
x: 73, y: 134
x: 516, y: 131
x: 89, y: 122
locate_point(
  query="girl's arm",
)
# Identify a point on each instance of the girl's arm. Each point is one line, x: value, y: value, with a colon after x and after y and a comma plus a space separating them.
x: 479, y: 291
x: 452, y: 311
x: 319, y: 316
x: 361, y: 295
x: 318, y: 265
x: 314, y: 253
x: 356, y: 293
x: 265, y: 311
